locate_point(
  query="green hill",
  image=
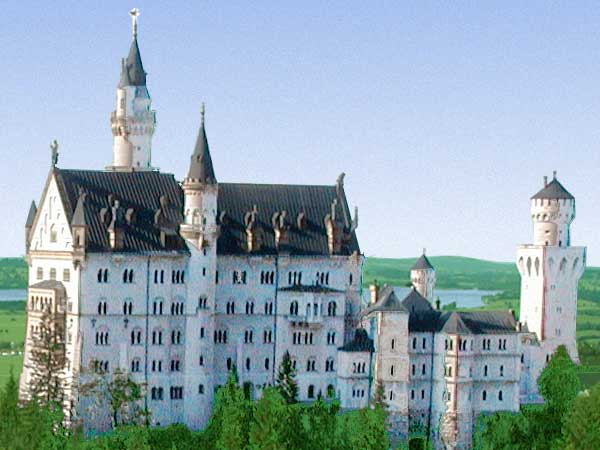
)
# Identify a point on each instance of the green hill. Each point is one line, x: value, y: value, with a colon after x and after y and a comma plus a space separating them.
x: 13, y: 273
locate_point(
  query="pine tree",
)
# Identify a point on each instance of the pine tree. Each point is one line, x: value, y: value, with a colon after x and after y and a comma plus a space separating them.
x: 379, y: 397
x: 46, y: 360
x: 9, y: 419
x: 269, y: 421
x: 233, y: 413
x: 286, y: 380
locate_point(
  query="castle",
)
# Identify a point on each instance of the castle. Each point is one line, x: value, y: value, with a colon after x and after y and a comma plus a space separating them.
x: 177, y: 283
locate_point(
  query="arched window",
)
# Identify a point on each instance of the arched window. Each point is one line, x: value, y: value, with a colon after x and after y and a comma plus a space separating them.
x: 484, y: 396
x: 500, y: 395
x: 136, y: 336
x: 311, y: 391
x: 294, y: 308
x: 330, y: 391
x: 248, y: 336
x: 331, y: 309
x: 329, y: 365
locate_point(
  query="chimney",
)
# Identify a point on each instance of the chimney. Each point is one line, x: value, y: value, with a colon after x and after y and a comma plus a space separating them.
x: 374, y: 288
x: 545, y: 181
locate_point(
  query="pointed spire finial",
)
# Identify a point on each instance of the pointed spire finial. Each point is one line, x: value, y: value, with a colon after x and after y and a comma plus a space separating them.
x: 202, y: 112
x: 54, y: 148
x: 134, y: 13
x: 424, y: 250
x: 554, y: 174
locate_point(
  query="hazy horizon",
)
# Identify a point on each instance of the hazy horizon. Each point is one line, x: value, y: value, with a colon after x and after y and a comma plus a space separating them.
x: 444, y: 119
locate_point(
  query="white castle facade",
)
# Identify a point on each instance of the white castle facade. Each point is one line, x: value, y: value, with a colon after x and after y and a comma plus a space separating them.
x: 177, y: 283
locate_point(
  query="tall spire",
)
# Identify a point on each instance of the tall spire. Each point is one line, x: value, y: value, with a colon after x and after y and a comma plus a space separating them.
x: 201, y: 167
x: 132, y: 69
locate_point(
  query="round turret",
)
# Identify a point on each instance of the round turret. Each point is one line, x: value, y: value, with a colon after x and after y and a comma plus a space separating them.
x: 552, y: 211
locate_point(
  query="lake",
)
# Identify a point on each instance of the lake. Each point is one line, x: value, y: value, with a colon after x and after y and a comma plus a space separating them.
x: 8, y: 295
x: 464, y: 298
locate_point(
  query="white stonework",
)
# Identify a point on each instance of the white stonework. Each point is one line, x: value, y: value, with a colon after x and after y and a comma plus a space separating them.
x: 179, y: 313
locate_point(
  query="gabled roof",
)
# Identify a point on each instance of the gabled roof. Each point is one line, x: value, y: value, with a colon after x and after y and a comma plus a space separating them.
x: 554, y: 191
x: 138, y: 191
x: 415, y: 302
x: 422, y: 264
x: 31, y: 215
x: 452, y: 323
x: 235, y: 200
x: 387, y: 301
x: 132, y: 71
x: 360, y: 343
x: 201, y: 166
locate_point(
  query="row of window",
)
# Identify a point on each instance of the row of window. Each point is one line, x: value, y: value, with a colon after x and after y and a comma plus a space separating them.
x: 268, y: 277
x: 313, y: 309
x: 175, y: 392
x: 177, y: 308
x: 66, y: 274
x: 177, y: 276
x: 462, y: 344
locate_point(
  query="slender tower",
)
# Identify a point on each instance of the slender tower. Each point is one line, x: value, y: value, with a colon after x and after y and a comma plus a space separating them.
x: 550, y: 269
x: 422, y: 277
x: 133, y: 121
x: 200, y: 190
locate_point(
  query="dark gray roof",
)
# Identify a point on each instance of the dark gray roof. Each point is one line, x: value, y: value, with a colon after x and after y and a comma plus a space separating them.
x: 415, y: 302
x: 48, y: 284
x: 424, y: 318
x: 138, y: 191
x: 422, y: 263
x: 461, y: 322
x: 489, y: 322
x: 310, y: 288
x: 235, y: 200
x: 452, y: 323
x: 132, y: 70
x: 360, y: 343
x: 201, y: 166
x: 31, y: 215
x: 387, y: 301
x: 554, y: 191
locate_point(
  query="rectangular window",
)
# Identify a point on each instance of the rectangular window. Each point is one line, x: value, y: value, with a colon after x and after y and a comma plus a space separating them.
x: 66, y: 275
x: 53, y: 274
x: 40, y: 273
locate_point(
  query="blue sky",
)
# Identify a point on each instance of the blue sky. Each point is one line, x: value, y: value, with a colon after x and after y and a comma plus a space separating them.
x: 445, y: 118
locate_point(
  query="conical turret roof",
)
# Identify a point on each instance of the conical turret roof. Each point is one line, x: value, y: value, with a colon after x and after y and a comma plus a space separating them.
x: 132, y: 70
x: 201, y: 166
x: 422, y: 263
